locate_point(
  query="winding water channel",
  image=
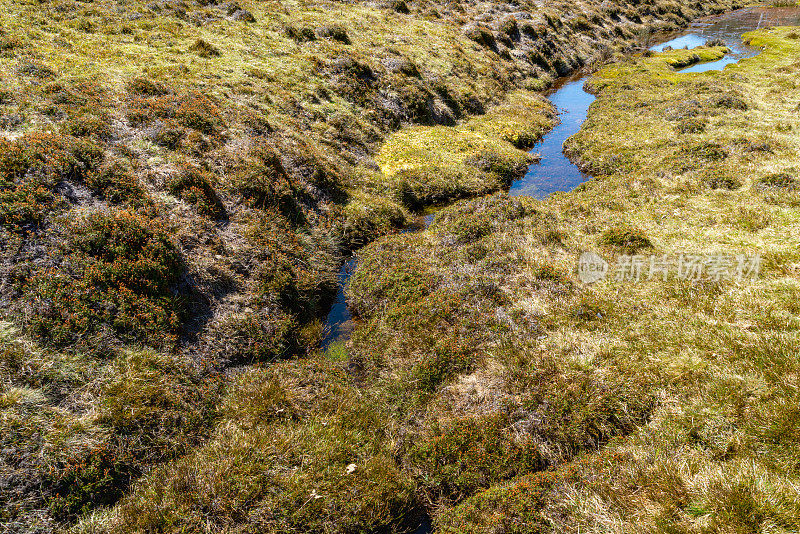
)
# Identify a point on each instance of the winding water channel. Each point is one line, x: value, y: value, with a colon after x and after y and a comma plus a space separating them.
x: 554, y: 172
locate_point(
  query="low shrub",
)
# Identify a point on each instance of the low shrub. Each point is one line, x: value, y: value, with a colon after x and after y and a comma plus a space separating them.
x: 194, y: 186
x: 263, y: 181
x: 706, y: 151
x: 721, y: 179
x: 367, y: 217
x: 307, y: 451
x: 389, y: 273
x: 204, y: 49
x: 334, y: 32
x: 730, y: 101
x: 95, y: 476
x: 6, y: 96
x: 301, y: 35
x: 471, y: 453
x: 31, y: 168
x: 626, y: 239
x: 199, y: 112
x: 146, y: 87
x: 298, y: 271
x: 192, y: 110
x: 36, y: 70
x: 513, y: 507
x: 169, y: 135
x: 89, y: 125
x: 153, y: 407
x: 781, y: 180
x: 9, y: 43
x: 251, y: 337
x: 691, y: 126
x: 481, y: 35
x: 48, y: 158
x: 24, y: 207
x: 400, y: 6
x: 116, y: 183
x: 118, y: 277
x: 510, y: 27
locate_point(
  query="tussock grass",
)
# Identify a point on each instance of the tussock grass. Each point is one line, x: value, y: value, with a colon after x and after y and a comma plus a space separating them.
x: 308, y: 452
x: 662, y: 405
x: 178, y: 182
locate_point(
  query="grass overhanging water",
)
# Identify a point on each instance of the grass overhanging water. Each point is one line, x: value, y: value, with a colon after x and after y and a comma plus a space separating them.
x: 167, y: 225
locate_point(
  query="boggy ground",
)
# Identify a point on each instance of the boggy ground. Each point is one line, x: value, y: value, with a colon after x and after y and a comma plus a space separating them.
x: 534, y: 403
x: 487, y: 387
x: 178, y: 182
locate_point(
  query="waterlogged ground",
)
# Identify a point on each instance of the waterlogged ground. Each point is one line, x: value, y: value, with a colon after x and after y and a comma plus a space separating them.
x: 554, y: 171
x: 178, y: 184
x: 538, y: 403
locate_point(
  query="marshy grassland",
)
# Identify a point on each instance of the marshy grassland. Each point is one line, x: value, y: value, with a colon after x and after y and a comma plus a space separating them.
x: 179, y: 182
x: 536, y: 403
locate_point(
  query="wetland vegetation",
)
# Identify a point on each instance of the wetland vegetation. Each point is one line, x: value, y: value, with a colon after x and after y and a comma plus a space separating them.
x: 180, y: 182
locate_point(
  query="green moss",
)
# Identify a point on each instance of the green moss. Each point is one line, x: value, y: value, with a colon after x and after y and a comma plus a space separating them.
x: 431, y: 165
x: 679, y: 59
x: 521, y: 120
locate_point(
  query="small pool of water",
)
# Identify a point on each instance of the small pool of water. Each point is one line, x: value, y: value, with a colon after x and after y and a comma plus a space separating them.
x: 729, y: 28
x: 555, y: 172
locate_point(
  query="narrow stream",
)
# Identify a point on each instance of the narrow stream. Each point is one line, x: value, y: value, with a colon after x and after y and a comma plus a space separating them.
x: 554, y: 172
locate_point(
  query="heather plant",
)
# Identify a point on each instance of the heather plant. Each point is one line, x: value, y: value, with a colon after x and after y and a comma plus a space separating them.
x: 303, y: 287
x: 193, y: 110
x: 118, y: 275
x: 30, y: 170
x: 194, y: 186
x: 116, y: 182
x: 204, y: 49
x: 107, y: 246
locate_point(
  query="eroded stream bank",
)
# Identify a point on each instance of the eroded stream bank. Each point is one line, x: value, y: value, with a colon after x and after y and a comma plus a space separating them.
x: 554, y: 172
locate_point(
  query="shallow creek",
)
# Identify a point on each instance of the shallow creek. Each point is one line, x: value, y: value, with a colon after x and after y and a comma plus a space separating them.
x: 554, y: 172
